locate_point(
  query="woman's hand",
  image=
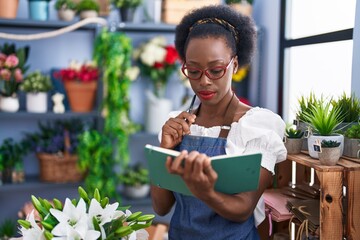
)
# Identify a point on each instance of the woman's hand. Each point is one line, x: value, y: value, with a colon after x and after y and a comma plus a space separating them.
x: 195, y: 169
x: 175, y: 128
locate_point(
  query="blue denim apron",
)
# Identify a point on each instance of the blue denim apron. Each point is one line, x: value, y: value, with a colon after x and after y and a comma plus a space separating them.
x: 193, y: 219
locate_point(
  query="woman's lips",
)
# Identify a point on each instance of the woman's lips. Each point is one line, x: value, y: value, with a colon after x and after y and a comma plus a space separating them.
x: 206, y: 95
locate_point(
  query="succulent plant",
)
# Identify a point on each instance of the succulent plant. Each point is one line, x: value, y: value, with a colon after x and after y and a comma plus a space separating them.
x: 294, y: 133
x: 329, y: 144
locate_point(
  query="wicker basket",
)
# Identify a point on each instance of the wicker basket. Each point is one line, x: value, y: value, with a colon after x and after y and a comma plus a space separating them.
x: 59, y: 168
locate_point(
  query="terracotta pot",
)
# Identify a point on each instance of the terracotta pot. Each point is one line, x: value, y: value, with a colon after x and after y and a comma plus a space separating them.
x: 88, y: 14
x: 66, y: 15
x: 329, y: 156
x: 293, y: 145
x: 81, y: 95
x: 8, y: 8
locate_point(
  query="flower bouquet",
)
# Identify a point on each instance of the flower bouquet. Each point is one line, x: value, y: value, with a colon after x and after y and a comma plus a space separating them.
x: 80, y: 81
x: 158, y: 61
x: 84, y: 218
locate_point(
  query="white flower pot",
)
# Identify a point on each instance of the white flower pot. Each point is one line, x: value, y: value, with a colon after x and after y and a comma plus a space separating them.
x: 88, y: 14
x: 313, y: 138
x: 9, y: 104
x: 158, y: 110
x: 66, y: 15
x: 136, y: 192
x: 36, y: 102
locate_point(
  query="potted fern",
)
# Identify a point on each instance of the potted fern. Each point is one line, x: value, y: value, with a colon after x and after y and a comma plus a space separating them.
x: 324, y: 121
x: 136, y: 181
x: 88, y: 8
x: 352, y: 141
x: 66, y: 9
x: 330, y: 152
x: 293, y: 139
x: 36, y: 85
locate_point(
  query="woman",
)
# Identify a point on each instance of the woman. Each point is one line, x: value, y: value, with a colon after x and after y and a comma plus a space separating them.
x: 213, y: 42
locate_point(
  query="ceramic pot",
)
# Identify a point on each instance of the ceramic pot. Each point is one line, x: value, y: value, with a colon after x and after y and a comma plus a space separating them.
x: 351, y: 147
x: 314, y: 138
x: 293, y: 145
x: 36, y: 102
x: 329, y: 156
x: 39, y: 10
x: 81, y: 95
x: 66, y: 14
x: 9, y: 104
x: 88, y: 14
x: 158, y: 110
x: 136, y: 192
x: 127, y: 14
x: 8, y: 8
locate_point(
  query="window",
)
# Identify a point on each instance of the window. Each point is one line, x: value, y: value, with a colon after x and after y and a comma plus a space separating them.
x: 315, y: 50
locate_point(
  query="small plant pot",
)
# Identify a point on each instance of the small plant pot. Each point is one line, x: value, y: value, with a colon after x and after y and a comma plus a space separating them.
x: 8, y: 9
x: 39, y: 10
x: 330, y: 156
x: 136, y: 192
x: 313, y: 138
x: 293, y: 145
x: 9, y: 104
x: 66, y: 15
x: 351, y: 147
x: 88, y: 14
x: 36, y: 102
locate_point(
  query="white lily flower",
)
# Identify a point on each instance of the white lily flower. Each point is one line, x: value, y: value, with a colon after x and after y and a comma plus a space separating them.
x: 34, y: 232
x: 159, y: 40
x: 71, y: 216
x: 72, y: 234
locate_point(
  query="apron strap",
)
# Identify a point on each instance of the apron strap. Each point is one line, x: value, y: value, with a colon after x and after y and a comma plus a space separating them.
x: 229, y: 117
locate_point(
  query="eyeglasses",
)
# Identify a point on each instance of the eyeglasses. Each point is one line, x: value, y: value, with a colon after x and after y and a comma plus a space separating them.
x: 213, y: 73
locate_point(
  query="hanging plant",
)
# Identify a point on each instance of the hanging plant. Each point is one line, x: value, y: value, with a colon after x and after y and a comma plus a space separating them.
x: 101, y: 153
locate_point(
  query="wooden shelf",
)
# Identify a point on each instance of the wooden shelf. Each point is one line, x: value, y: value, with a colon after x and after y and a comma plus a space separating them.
x: 46, y: 25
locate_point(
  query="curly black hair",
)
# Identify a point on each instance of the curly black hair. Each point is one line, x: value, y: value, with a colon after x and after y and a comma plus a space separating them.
x: 240, y: 35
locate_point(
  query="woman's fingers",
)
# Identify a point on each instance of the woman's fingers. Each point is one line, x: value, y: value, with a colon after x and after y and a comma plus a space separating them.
x: 175, y: 165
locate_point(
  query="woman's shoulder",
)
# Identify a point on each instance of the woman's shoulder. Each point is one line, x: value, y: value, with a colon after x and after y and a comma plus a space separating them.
x: 259, y: 114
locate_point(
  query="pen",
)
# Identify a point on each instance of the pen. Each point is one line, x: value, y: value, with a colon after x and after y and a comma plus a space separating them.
x: 191, y: 104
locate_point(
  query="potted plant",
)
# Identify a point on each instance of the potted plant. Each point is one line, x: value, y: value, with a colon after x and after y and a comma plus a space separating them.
x: 12, y: 69
x: 126, y: 8
x: 39, y: 9
x: 157, y: 61
x: 293, y: 139
x: 80, y: 81
x: 8, y: 229
x: 55, y: 145
x: 66, y: 9
x: 8, y: 9
x: 352, y: 141
x: 11, y: 154
x: 330, y: 152
x: 136, y: 181
x: 349, y: 107
x: 243, y: 6
x: 88, y: 8
x: 324, y: 121
x: 36, y: 85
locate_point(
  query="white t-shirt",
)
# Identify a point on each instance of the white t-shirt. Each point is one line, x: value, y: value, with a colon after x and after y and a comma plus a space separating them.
x: 259, y: 130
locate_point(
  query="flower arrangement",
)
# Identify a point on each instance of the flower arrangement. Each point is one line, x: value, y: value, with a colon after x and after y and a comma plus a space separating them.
x: 84, y: 218
x: 36, y: 82
x: 158, y: 61
x: 12, y: 68
x: 84, y: 73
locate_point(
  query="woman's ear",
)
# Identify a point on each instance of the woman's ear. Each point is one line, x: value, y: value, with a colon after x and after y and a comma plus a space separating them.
x: 236, y: 65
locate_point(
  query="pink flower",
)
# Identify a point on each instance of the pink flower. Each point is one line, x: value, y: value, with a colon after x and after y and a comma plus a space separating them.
x: 2, y: 59
x: 12, y: 61
x: 5, y: 74
x: 18, y: 75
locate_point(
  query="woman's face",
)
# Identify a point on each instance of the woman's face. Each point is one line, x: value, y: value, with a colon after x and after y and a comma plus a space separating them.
x: 207, y: 54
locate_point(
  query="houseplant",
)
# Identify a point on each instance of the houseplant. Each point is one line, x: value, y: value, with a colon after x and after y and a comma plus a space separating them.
x: 11, y: 154
x: 80, y: 81
x: 8, y: 9
x: 324, y: 121
x: 36, y: 85
x: 136, y: 181
x: 352, y: 141
x: 66, y: 9
x: 126, y: 8
x: 349, y: 106
x: 330, y: 152
x: 39, y: 9
x: 12, y: 69
x: 55, y: 145
x: 88, y: 8
x: 158, y: 61
x: 293, y: 139
x: 89, y: 217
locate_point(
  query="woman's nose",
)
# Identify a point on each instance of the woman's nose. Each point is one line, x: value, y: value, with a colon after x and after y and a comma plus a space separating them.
x: 204, y: 80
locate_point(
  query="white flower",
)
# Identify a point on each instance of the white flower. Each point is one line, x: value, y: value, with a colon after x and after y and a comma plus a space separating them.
x: 34, y: 232
x: 103, y: 215
x: 133, y: 73
x: 159, y: 40
x: 75, y: 65
x: 72, y: 219
x: 152, y: 53
x: 141, y: 234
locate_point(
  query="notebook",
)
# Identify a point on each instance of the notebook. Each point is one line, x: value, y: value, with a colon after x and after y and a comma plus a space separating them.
x: 236, y: 173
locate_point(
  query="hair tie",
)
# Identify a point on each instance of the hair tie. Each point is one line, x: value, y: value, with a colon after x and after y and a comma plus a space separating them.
x: 221, y: 22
